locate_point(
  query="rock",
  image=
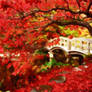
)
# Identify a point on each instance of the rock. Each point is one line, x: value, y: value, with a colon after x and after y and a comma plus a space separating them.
x: 84, y: 63
x: 58, y: 79
x: 85, y: 66
x: 45, y: 87
x: 77, y: 69
x: 64, y: 72
x: 33, y: 90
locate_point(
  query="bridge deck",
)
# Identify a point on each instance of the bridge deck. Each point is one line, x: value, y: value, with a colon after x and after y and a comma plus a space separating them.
x: 82, y: 45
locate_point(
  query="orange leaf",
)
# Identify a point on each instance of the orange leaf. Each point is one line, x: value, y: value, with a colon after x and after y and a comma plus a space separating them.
x: 19, y: 31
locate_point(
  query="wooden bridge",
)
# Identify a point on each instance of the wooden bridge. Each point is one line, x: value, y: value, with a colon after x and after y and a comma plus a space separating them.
x: 75, y: 46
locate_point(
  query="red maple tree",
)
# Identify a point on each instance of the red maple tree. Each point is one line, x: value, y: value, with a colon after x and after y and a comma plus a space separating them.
x: 24, y: 24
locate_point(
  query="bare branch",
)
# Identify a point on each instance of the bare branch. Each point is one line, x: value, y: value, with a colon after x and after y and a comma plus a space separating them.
x: 89, y: 6
x: 55, y: 9
x: 44, y: 27
x: 72, y: 22
x: 78, y: 3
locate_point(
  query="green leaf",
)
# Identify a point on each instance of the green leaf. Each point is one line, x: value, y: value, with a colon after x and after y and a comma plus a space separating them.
x: 43, y: 70
x: 61, y: 27
x: 71, y: 32
x: 53, y: 12
x: 44, y: 36
x: 59, y: 63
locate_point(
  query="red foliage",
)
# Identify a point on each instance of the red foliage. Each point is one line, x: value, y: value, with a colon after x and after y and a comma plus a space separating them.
x: 63, y: 34
x: 1, y: 50
x: 75, y: 80
x: 70, y: 37
x: 23, y: 30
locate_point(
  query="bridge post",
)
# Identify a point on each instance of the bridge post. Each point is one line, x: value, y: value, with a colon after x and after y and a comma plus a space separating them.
x: 88, y: 47
x: 82, y: 45
x: 69, y: 45
x: 50, y: 55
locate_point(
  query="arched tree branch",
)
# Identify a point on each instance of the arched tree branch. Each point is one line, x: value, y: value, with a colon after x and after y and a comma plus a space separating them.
x: 73, y: 22
x: 89, y: 6
x: 76, y: 22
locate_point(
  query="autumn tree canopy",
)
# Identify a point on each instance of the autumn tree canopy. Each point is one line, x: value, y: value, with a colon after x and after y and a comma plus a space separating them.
x: 23, y: 22
x: 26, y: 25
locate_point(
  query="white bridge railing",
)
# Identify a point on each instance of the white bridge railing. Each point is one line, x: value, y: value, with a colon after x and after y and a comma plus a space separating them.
x: 82, y: 45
